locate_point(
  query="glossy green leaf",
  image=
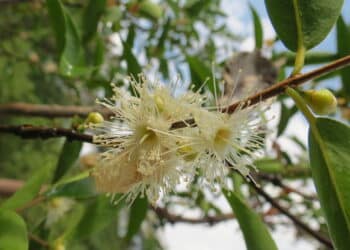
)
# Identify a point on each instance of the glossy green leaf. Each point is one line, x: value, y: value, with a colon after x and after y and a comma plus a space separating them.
x: 69, y: 154
x: 316, y: 18
x: 343, y: 44
x: 68, y: 41
x: 256, y: 234
x: 200, y: 74
x: 329, y: 144
x: 72, y: 58
x: 58, y: 21
x: 29, y: 191
x: 258, y: 31
x: 80, y: 189
x: 137, y: 214
x: 91, y: 18
x: 13, y: 231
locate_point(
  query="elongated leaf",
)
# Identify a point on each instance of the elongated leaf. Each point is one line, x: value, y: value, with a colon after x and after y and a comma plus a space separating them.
x: 254, y: 231
x: 316, y: 18
x: 343, y: 41
x: 13, y: 231
x: 58, y: 22
x: 69, y: 154
x: 68, y: 40
x: 28, y: 191
x: 258, y: 31
x: 137, y: 214
x: 200, y: 73
x: 134, y: 67
x: 91, y: 17
x: 80, y: 189
x: 330, y: 157
x: 97, y: 215
x: 72, y: 58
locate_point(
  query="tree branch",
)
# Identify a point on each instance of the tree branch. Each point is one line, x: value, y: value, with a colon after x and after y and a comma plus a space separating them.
x: 321, y: 238
x: 29, y: 132
x: 293, y: 81
x: 68, y: 111
x: 50, y: 111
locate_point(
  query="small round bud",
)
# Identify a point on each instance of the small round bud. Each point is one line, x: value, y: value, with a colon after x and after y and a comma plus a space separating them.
x: 322, y: 102
x: 94, y: 117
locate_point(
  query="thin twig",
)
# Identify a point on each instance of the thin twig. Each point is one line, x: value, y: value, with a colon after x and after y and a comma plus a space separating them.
x: 68, y: 111
x: 278, y: 182
x: 321, y: 238
x: 50, y: 111
x: 29, y: 131
x: 293, y: 81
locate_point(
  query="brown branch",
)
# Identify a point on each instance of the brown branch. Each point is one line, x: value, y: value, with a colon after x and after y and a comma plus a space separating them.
x: 293, y: 81
x: 174, y: 218
x: 50, y: 111
x: 68, y: 111
x: 29, y: 131
x: 321, y: 238
x: 278, y: 182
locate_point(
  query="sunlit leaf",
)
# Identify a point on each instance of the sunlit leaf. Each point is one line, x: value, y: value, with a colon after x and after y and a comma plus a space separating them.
x: 316, y: 18
x: 29, y: 191
x: 13, y: 231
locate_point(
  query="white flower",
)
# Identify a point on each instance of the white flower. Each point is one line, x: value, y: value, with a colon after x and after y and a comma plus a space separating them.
x: 146, y: 155
x: 57, y: 207
x: 142, y: 156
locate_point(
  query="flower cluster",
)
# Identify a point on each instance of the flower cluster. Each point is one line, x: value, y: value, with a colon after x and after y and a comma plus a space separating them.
x: 146, y: 154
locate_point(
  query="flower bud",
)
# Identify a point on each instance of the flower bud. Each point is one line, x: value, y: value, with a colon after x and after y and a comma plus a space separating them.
x: 322, y: 102
x: 94, y: 117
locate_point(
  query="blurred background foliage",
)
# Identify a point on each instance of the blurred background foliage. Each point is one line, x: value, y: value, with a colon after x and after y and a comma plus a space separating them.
x: 68, y: 52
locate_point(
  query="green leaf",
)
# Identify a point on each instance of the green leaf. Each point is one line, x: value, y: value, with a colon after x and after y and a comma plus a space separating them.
x: 329, y: 143
x: 255, y: 233
x: 68, y: 41
x: 134, y: 67
x: 258, y: 31
x: 13, y: 231
x: 269, y: 165
x: 137, y: 214
x: 81, y: 189
x: 343, y: 41
x: 72, y: 58
x: 58, y: 21
x: 69, y: 154
x: 200, y: 74
x: 97, y: 215
x: 30, y: 190
x: 91, y: 17
x: 150, y: 9
x: 307, y: 28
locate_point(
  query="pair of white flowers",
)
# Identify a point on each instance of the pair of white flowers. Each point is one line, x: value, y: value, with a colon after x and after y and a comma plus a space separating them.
x: 157, y: 140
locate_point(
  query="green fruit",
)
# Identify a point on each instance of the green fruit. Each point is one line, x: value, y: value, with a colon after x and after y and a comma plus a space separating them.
x: 322, y: 102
